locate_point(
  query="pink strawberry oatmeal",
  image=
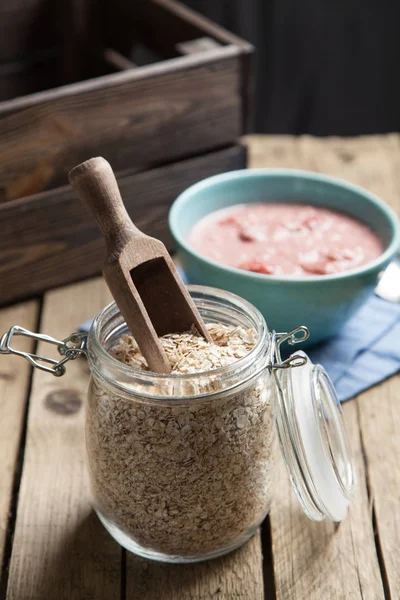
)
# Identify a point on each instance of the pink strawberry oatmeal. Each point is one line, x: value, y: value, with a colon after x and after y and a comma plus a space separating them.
x: 285, y: 239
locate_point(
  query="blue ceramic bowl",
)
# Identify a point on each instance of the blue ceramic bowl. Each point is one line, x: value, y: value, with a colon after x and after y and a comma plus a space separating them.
x: 322, y: 303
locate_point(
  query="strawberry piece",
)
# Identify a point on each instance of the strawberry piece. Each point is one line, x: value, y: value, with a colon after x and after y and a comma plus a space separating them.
x: 341, y: 254
x: 246, y: 235
x: 257, y: 266
x: 312, y: 222
x: 229, y: 221
x: 314, y: 268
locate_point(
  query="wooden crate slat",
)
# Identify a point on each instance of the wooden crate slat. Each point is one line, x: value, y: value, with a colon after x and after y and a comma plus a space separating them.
x: 314, y: 560
x: 138, y: 118
x: 182, y: 22
x: 167, y: 23
x: 58, y: 241
x: 14, y: 387
x: 117, y: 60
x: 203, y: 44
x: 60, y: 549
x: 135, y: 119
x: 237, y: 576
x: 164, y: 23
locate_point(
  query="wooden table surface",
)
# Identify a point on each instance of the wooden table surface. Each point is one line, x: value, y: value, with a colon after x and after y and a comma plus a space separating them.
x: 52, y: 546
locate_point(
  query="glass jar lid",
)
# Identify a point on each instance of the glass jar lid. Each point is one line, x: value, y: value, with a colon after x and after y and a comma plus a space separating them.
x: 313, y: 440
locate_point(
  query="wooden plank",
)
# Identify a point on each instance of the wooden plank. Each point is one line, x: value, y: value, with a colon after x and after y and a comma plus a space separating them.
x: 14, y: 386
x: 379, y: 407
x: 60, y: 549
x: 237, y: 576
x: 58, y: 240
x: 380, y: 422
x: 321, y: 560
x: 370, y: 161
x: 117, y: 60
x: 203, y: 44
x: 274, y: 152
x: 192, y: 104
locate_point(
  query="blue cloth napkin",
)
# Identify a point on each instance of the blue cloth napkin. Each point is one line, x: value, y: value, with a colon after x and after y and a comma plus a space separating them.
x: 366, y: 351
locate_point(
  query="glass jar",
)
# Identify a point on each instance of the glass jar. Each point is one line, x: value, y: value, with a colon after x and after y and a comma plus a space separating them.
x: 182, y: 466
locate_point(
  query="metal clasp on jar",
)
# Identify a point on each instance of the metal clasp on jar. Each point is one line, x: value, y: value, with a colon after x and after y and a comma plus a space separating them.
x: 69, y: 348
x: 296, y: 336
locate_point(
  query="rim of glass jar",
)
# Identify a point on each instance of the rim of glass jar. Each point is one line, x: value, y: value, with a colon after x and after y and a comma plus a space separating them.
x: 262, y: 347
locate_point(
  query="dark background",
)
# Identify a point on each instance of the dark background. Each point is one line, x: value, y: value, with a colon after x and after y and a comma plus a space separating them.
x: 324, y: 67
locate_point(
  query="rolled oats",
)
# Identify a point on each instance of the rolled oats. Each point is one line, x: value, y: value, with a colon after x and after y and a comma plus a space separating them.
x: 184, y: 476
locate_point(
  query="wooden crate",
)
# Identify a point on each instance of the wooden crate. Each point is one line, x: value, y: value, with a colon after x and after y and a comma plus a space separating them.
x: 159, y: 91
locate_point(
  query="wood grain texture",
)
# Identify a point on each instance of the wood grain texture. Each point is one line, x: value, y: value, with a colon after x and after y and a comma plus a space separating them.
x: 321, y: 560
x: 58, y: 241
x: 370, y: 161
x: 191, y: 105
x: 60, y: 549
x: 237, y: 576
x: 53, y: 556
x: 349, y: 555
x: 380, y: 422
x: 14, y: 387
x: 379, y: 412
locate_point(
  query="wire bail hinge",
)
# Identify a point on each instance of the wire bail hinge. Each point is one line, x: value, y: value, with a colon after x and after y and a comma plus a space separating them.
x: 69, y: 348
x: 296, y: 336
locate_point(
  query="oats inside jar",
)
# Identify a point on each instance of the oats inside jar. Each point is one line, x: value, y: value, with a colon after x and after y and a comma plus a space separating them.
x: 189, y: 352
x: 186, y: 475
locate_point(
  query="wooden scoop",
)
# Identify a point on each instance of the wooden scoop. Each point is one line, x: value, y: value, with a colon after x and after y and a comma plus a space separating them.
x: 139, y: 271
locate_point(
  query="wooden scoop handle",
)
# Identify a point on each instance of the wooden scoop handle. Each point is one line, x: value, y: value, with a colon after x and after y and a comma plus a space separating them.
x: 94, y: 182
